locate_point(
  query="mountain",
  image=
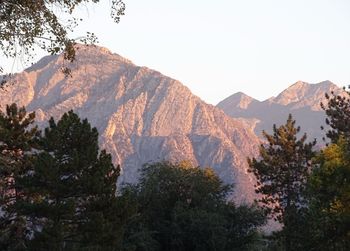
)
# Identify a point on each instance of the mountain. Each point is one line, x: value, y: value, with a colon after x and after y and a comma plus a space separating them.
x: 301, y: 99
x: 141, y: 115
x: 238, y: 100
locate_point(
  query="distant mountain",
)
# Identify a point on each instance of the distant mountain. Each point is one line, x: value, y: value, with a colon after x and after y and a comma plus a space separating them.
x: 301, y: 99
x: 141, y: 115
x: 238, y: 100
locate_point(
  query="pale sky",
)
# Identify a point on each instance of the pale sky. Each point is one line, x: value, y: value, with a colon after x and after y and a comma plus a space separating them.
x: 217, y: 48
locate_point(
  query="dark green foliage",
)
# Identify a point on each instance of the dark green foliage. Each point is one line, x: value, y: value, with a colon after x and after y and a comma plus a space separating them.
x: 338, y: 115
x: 281, y: 173
x: 17, y: 138
x: 27, y: 24
x: 329, y: 186
x: 71, y: 191
x: 329, y: 190
x: 181, y: 207
x: 61, y: 195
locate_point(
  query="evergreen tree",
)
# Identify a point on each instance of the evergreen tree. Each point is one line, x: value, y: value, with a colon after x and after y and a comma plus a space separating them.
x: 329, y: 189
x: 329, y: 186
x: 17, y: 138
x: 72, y: 187
x: 281, y: 173
x: 337, y: 110
x: 181, y: 207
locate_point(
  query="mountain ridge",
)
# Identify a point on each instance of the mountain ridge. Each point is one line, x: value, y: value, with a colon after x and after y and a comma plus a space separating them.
x: 141, y: 115
x: 301, y: 99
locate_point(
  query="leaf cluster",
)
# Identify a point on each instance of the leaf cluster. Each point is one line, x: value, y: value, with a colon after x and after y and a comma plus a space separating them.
x: 27, y: 24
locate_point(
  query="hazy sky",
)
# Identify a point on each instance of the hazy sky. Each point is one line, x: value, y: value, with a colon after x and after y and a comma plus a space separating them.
x: 220, y: 47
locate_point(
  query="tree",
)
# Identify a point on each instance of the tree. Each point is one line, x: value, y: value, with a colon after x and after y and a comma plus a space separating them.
x: 181, y: 207
x: 71, y: 202
x: 329, y: 187
x: 17, y: 139
x: 337, y: 110
x: 281, y: 173
x: 27, y: 24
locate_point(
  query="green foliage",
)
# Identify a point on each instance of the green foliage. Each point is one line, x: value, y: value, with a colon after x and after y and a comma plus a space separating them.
x: 71, y: 191
x: 26, y: 24
x: 330, y: 199
x: 181, y: 207
x: 58, y: 192
x: 281, y: 173
x: 17, y: 137
x: 329, y: 187
x: 338, y: 115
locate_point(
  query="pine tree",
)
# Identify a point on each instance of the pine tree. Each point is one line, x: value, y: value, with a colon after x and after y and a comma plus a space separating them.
x: 329, y: 186
x: 329, y: 189
x: 17, y: 139
x: 281, y: 173
x: 72, y: 186
x: 337, y: 110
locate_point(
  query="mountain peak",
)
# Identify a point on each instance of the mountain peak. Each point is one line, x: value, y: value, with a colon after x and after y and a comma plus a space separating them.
x: 328, y: 85
x: 298, y: 85
x: 85, y: 54
x: 141, y: 115
x: 83, y: 47
x: 303, y: 84
x: 238, y: 100
x: 301, y: 99
x: 305, y: 94
x: 92, y: 51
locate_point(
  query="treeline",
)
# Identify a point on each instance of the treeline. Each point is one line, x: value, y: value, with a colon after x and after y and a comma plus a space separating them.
x: 58, y: 192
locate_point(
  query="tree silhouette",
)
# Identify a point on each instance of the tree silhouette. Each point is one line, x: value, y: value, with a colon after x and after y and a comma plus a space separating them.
x: 27, y: 24
x: 281, y: 172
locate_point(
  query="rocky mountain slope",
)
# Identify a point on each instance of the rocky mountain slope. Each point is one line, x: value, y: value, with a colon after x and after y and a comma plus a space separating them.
x: 141, y: 115
x: 301, y: 99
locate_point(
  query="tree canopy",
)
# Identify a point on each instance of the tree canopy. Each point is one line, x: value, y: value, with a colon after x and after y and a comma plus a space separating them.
x: 281, y: 172
x: 337, y: 110
x: 27, y: 24
x: 58, y: 191
x: 72, y: 190
x: 329, y: 186
x: 329, y: 192
x: 181, y: 207
x: 60, y: 195
x: 18, y: 138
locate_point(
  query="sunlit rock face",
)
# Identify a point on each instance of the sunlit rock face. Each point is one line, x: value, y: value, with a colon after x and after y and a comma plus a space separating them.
x: 301, y: 99
x: 142, y: 116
